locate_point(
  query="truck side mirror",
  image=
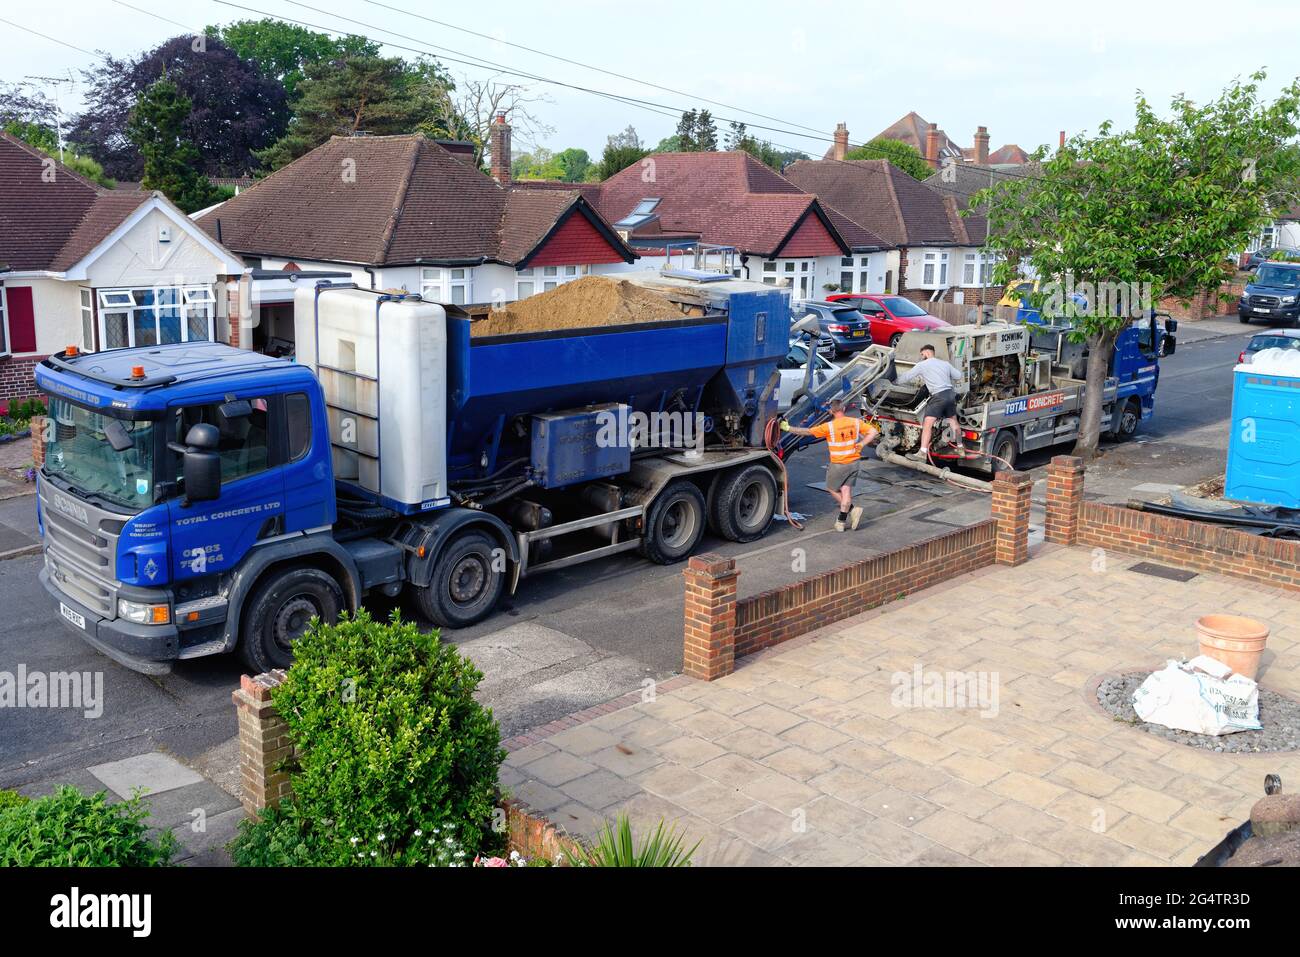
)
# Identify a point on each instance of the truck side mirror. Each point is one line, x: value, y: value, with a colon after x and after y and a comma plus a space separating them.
x: 202, y: 463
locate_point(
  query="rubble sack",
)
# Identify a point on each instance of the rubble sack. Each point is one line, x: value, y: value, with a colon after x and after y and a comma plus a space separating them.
x: 1202, y: 696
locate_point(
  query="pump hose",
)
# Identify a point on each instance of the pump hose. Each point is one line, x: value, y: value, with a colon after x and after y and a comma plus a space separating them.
x: 770, y: 434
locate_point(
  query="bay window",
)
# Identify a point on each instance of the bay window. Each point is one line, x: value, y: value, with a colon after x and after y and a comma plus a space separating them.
x: 934, y: 269
x: 148, y: 317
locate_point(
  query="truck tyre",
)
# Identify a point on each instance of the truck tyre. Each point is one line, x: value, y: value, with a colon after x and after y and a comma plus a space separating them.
x: 674, y: 523
x: 743, y: 503
x: 278, y: 611
x: 467, y: 581
x: 1006, y: 448
x: 1129, y: 418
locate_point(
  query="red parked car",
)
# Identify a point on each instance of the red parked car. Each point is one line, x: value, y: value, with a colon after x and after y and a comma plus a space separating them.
x: 890, y: 315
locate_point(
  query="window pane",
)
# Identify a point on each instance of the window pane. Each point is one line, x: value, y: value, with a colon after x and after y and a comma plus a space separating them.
x: 928, y: 275
x: 548, y: 286
x: 298, y: 407
x: 458, y: 295
x: 85, y: 298
x: 571, y: 270
x: 769, y: 266
x: 242, y: 440
x: 142, y: 321
x: 846, y: 281
x: 458, y: 274
x: 115, y: 330
x: 523, y: 289
x: 789, y: 267
x: 197, y: 325
x: 550, y: 271
x: 846, y: 261
x: 87, y: 331
x: 430, y: 275
x: 968, y: 274
x: 169, y: 324
x: 431, y: 292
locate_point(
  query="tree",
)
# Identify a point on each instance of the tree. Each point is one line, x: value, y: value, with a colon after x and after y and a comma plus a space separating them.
x: 364, y: 94
x: 282, y: 51
x: 1128, y: 217
x: 696, y: 132
x: 903, y: 155
x: 473, y: 111
x: 575, y: 163
x: 738, y: 138
x: 45, y: 139
x: 235, y: 109
x: 156, y: 128
x: 669, y: 144
x: 621, y: 151
x: 539, y: 164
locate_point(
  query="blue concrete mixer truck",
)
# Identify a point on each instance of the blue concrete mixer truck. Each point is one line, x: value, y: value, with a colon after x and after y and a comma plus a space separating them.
x: 198, y: 499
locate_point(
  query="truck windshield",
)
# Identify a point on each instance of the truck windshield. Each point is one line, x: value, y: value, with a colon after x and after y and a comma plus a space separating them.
x: 79, y: 452
x: 1278, y: 276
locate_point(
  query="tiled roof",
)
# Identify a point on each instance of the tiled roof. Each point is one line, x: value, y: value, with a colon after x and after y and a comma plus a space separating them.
x: 725, y: 198
x: 390, y: 200
x: 50, y: 217
x: 962, y: 182
x: 1011, y: 153
x: 886, y: 201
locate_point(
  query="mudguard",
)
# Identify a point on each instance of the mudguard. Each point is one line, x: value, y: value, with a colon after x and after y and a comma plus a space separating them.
x: 424, y: 540
x: 266, y: 554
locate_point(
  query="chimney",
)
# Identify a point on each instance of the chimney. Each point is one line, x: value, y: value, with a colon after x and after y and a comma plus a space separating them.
x: 982, y: 145
x: 499, y: 148
x: 932, y: 145
x: 1062, y: 139
x: 841, y: 147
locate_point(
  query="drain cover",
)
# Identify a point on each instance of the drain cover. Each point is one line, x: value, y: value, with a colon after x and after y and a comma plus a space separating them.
x: 1162, y: 571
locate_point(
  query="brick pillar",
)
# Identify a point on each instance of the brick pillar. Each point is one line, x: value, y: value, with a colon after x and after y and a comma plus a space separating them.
x: 38, y: 441
x: 263, y: 743
x: 1064, y: 496
x: 710, y: 632
x: 1011, y: 492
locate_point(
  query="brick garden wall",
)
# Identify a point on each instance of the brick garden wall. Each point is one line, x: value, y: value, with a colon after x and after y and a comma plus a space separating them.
x: 783, y: 613
x: 1161, y: 538
x: 17, y: 380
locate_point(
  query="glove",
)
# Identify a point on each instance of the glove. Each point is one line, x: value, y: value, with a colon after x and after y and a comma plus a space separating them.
x: 785, y: 426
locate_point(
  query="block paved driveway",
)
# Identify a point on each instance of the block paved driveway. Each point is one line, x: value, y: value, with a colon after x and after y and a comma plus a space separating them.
x: 801, y: 757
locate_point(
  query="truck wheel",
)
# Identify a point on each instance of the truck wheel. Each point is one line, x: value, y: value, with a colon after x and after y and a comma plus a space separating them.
x: 1006, y: 448
x: 1127, y: 426
x: 278, y: 611
x: 674, y: 523
x: 743, y: 503
x: 467, y: 581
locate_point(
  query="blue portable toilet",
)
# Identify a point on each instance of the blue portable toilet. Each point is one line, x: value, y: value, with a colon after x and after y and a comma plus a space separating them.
x: 1264, y: 448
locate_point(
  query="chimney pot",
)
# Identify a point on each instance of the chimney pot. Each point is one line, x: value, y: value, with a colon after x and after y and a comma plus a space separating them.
x: 841, y: 147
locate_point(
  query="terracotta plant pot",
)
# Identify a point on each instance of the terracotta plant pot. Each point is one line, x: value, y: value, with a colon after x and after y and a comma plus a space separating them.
x: 1236, y: 641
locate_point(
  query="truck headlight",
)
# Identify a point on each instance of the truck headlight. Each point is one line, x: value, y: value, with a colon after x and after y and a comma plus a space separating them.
x: 1288, y: 299
x: 144, y: 614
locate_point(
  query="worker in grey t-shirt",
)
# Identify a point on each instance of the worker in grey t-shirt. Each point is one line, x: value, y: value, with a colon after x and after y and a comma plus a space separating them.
x: 939, y: 377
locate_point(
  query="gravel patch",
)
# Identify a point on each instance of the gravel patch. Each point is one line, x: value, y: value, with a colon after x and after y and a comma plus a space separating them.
x: 1280, y: 717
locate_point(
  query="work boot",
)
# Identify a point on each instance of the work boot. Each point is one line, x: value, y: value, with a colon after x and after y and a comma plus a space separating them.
x: 920, y: 455
x: 855, y: 517
x: 839, y: 526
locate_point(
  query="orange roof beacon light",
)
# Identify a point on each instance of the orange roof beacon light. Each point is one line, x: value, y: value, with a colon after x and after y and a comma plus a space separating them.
x: 69, y: 352
x: 137, y: 372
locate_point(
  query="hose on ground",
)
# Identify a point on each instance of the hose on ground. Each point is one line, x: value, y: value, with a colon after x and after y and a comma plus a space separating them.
x: 770, y: 433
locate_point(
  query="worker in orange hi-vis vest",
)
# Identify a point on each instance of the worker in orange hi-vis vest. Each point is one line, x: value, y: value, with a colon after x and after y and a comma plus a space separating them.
x: 845, y: 437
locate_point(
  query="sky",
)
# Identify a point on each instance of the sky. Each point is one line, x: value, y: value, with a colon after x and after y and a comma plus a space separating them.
x: 1025, y: 70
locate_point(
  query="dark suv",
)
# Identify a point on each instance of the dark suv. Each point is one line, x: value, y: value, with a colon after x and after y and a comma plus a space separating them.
x: 850, y: 329
x: 1272, y: 293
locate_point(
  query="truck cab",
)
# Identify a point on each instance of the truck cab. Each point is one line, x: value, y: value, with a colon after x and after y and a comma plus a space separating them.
x: 165, y: 469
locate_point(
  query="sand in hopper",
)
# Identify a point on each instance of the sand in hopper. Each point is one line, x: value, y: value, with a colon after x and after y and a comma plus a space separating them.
x: 590, y: 302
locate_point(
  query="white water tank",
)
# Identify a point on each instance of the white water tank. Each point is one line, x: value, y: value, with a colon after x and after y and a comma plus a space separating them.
x: 386, y: 395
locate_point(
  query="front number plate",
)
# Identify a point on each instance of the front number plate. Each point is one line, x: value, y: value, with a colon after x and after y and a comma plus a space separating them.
x: 77, y: 619
x: 1262, y: 309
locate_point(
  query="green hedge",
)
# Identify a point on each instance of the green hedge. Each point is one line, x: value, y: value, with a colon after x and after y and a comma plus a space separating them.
x: 68, y: 829
x: 396, y: 761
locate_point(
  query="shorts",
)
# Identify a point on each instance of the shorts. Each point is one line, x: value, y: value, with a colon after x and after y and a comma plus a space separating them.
x: 942, y: 406
x: 840, y: 474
